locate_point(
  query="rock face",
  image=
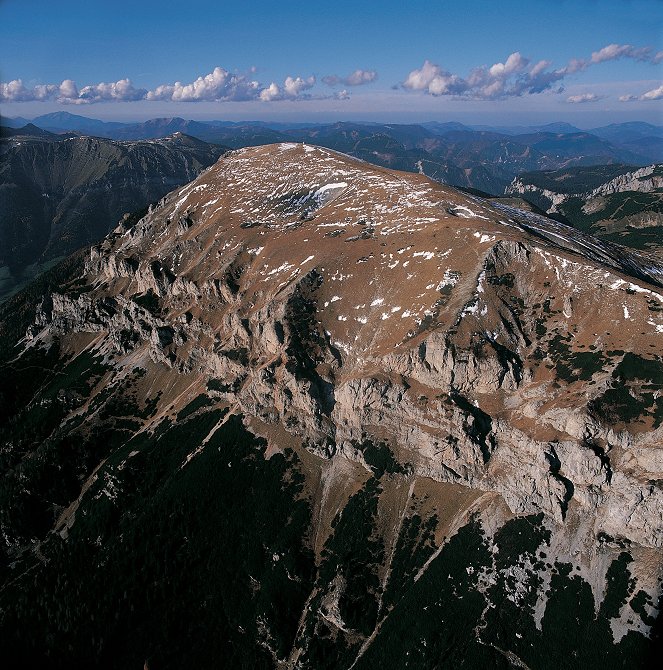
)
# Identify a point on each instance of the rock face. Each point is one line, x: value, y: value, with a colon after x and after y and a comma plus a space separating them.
x: 340, y: 417
x: 645, y: 180
x: 626, y: 206
x: 60, y: 194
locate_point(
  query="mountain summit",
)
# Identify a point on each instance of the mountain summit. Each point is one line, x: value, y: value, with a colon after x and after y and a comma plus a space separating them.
x: 312, y: 413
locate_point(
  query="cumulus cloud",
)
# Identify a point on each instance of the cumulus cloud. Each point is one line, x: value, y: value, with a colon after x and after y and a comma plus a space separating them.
x: 514, y: 63
x: 272, y: 92
x: 292, y: 89
x: 15, y: 91
x: 436, y: 81
x: 122, y: 90
x: 654, y: 94
x: 356, y: 78
x: 219, y: 85
x: 216, y: 86
x: 68, y: 93
x: 516, y: 76
x: 584, y: 97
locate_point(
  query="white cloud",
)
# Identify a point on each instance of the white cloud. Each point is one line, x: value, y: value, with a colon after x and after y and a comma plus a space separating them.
x: 272, y: 92
x: 615, y: 51
x: 293, y: 87
x: 434, y: 80
x: 356, y: 78
x: 514, y: 63
x: 539, y: 67
x: 68, y: 89
x: 654, y: 94
x: 15, y: 91
x: 361, y: 77
x: 122, y: 91
x: 584, y: 97
x: 67, y: 92
x: 218, y: 85
x: 516, y: 76
x: 508, y: 79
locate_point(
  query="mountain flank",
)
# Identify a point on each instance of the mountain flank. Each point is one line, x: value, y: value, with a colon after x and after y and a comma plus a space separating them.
x: 58, y: 194
x: 307, y: 412
x: 613, y: 202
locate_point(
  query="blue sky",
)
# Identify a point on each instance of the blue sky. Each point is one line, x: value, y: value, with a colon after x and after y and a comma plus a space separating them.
x: 498, y: 62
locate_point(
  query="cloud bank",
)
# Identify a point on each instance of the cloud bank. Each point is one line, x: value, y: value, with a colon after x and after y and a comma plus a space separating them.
x: 220, y: 85
x: 518, y: 76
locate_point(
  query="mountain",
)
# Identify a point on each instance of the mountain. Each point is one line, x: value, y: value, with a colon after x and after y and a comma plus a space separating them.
x: 614, y: 202
x: 311, y: 413
x: 155, y: 128
x: 59, y: 194
x: 649, y: 148
x: 29, y: 130
x: 442, y: 128
x: 16, y: 122
x: 642, y: 139
x: 621, y: 133
x: 451, y: 152
x: 558, y: 127
x: 577, y: 149
x: 61, y: 121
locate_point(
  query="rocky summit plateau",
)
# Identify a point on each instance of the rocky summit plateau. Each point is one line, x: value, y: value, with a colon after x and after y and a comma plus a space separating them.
x: 307, y: 412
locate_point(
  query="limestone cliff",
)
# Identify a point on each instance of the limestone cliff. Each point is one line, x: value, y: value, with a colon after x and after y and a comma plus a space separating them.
x: 450, y: 387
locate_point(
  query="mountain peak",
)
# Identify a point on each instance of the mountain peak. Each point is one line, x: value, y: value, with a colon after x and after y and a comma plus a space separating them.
x: 348, y: 372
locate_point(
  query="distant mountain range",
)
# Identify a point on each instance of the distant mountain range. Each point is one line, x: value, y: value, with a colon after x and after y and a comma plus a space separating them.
x: 59, y: 194
x: 63, y: 185
x: 481, y: 157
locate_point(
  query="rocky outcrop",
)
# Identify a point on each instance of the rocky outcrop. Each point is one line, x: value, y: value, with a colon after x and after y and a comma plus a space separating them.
x: 433, y: 340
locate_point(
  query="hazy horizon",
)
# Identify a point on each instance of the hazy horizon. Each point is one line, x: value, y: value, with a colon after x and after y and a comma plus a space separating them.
x: 474, y: 119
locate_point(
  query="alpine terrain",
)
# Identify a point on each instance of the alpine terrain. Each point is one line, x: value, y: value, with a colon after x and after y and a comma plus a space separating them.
x: 58, y: 193
x: 307, y: 412
x: 614, y: 202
